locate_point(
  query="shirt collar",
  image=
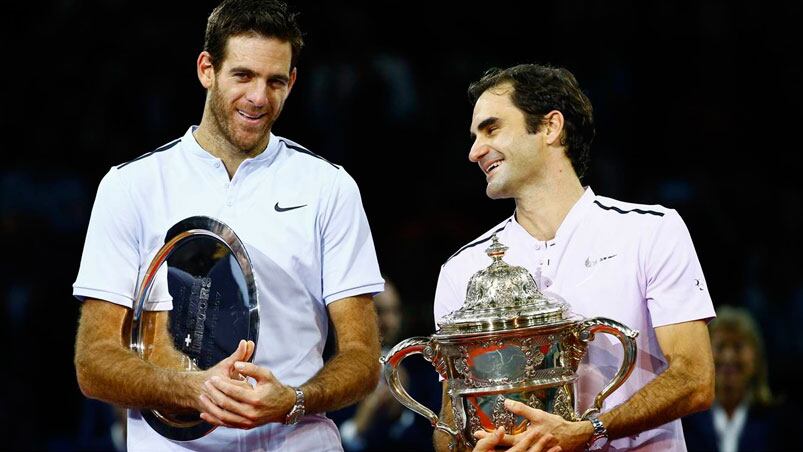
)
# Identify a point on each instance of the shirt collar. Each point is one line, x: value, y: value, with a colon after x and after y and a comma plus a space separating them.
x: 265, y: 157
x: 569, y: 223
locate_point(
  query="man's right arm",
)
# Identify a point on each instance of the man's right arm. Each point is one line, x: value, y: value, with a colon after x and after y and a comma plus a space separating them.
x: 108, y: 370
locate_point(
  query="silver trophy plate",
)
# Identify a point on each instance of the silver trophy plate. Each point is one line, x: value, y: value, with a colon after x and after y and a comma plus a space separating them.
x: 211, y: 281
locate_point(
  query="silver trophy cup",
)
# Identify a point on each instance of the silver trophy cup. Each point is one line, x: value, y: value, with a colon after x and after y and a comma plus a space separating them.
x: 210, y: 279
x: 507, y: 341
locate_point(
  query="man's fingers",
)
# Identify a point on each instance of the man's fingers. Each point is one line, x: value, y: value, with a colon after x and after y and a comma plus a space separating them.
x: 227, y: 396
x: 233, y: 390
x: 544, y: 442
x: 220, y: 416
x: 488, y: 441
x: 250, y: 347
x: 531, y: 414
x: 213, y: 420
x: 260, y: 374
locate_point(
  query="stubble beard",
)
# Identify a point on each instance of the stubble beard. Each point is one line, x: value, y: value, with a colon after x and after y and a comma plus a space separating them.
x: 225, y: 125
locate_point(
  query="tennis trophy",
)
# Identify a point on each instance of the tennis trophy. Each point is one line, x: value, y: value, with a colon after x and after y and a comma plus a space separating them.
x: 214, y: 306
x: 508, y: 341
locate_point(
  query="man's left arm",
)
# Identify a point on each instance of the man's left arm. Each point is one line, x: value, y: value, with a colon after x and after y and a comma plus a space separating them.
x: 353, y: 372
x: 685, y: 387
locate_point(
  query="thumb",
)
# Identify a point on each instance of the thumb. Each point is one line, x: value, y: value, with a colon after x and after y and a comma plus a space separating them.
x: 250, y: 349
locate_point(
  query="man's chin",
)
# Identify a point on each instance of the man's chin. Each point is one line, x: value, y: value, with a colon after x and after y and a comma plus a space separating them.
x: 496, y: 193
x: 250, y: 144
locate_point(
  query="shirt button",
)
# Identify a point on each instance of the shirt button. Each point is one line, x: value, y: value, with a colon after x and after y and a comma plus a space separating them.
x: 547, y: 282
x: 217, y: 164
x: 538, y: 247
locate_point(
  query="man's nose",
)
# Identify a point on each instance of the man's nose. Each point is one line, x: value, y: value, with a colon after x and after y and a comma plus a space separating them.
x: 257, y: 94
x: 478, y: 150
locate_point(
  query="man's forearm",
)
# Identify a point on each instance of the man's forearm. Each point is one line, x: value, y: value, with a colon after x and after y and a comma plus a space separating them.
x: 120, y: 377
x: 345, y: 379
x: 674, y: 393
x: 109, y: 371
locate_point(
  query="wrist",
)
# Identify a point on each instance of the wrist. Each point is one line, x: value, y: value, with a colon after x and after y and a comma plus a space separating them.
x: 598, y: 437
x: 297, y: 406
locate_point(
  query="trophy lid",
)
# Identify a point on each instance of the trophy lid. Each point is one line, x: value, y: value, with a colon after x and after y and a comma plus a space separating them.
x: 502, y: 297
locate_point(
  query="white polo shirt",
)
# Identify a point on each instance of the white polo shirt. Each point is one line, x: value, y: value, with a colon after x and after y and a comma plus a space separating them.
x: 304, y: 258
x: 633, y: 263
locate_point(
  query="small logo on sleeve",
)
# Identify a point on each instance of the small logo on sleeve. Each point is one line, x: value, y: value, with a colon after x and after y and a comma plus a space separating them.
x: 285, y: 209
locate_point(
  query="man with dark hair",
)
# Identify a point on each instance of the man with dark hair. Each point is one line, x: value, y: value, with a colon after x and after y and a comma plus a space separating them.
x: 302, y: 221
x: 532, y: 128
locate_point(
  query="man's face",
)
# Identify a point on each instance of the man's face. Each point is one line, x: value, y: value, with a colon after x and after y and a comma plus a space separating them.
x: 734, y: 359
x: 508, y: 155
x: 249, y: 89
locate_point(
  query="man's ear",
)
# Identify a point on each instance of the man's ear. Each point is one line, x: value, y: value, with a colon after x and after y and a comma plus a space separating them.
x: 206, y: 71
x: 553, y: 127
x: 293, y: 76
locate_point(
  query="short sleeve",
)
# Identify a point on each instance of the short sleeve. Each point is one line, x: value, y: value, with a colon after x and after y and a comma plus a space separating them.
x: 110, y: 260
x: 676, y: 290
x: 349, y: 265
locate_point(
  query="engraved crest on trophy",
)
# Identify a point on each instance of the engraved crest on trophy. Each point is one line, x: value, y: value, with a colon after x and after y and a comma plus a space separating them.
x: 214, y: 305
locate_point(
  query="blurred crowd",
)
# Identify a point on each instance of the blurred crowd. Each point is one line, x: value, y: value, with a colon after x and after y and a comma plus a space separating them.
x: 694, y: 107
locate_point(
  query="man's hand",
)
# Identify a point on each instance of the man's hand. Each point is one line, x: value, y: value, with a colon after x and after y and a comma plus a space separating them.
x: 234, y: 403
x: 530, y: 441
x: 565, y: 435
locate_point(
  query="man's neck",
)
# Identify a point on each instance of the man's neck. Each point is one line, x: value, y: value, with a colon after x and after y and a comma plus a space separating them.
x: 541, y: 208
x: 211, y: 139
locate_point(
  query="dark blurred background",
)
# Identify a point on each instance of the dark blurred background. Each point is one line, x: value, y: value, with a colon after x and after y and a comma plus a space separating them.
x: 697, y: 106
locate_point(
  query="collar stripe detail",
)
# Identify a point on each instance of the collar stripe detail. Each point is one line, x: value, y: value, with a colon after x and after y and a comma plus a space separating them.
x: 478, y: 241
x: 307, y: 151
x: 148, y: 154
x: 618, y: 210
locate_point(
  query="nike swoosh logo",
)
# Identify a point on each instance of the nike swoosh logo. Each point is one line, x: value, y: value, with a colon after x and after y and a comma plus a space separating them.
x: 285, y: 209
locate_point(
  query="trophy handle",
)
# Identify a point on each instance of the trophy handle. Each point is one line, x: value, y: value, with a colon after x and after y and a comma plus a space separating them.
x: 627, y: 337
x: 413, y: 346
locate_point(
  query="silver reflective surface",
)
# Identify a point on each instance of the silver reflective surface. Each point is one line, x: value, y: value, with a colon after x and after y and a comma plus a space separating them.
x: 210, y: 279
x: 507, y: 341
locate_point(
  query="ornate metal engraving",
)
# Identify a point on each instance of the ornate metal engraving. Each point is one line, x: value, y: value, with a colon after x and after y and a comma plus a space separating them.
x: 563, y: 406
x: 535, y: 402
x: 474, y: 420
x: 502, y: 417
x: 508, y: 341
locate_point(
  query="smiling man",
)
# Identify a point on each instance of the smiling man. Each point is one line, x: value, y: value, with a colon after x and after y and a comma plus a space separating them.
x: 303, y: 224
x: 532, y: 129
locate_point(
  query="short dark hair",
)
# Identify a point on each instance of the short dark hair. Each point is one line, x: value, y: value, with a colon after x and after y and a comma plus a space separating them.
x: 268, y: 18
x: 539, y: 89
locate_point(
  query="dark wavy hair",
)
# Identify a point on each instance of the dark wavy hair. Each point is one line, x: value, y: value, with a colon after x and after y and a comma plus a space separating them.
x: 268, y: 18
x: 539, y: 89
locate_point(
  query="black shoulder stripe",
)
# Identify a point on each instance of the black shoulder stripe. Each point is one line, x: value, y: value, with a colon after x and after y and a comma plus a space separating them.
x: 308, y: 152
x: 147, y: 154
x: 616, y: 209
x: 477, y: 242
